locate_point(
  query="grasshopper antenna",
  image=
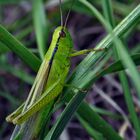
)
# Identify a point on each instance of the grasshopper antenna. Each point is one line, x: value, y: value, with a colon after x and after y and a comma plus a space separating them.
x: 67, y: 17
x: 61, y: 13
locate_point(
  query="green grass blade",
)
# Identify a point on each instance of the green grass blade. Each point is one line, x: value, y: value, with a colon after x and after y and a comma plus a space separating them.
x: 108, y: 12
x: 129, y: 64
x: 65, y: 116
x: 19, y: 49
x: 127, y: 94
x: 120, y: 8
x: 93, y: 133
x: 118, y: 66
x: 130, y: 104
x: 40, y: 25
x: 3, y: 48
x: 96, y: 122
x: 106, y: 112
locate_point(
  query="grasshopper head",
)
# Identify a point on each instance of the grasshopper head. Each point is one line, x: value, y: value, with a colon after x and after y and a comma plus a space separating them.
x: 61, y: 43
x: 63, y: 36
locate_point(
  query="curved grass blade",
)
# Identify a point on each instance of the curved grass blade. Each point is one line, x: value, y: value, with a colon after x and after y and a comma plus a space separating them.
x: 13, y: 44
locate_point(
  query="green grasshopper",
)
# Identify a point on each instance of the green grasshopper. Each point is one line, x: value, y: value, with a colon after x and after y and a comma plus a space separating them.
x: 51, y: 76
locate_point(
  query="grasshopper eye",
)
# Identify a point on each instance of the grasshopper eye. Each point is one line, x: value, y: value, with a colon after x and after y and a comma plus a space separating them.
x: 62, y: 34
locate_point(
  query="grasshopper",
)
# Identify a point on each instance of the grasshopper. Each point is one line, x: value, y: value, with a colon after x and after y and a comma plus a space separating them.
x: 51, y: 76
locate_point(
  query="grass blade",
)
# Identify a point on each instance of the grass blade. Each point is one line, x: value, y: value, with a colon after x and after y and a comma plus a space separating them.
x: 93, y: 133
x: 96, y: 122
x: 127, y: 94
x: 65, y: 116
x: 40, y: 24
x: 13, y: 44
x: 118, y: 66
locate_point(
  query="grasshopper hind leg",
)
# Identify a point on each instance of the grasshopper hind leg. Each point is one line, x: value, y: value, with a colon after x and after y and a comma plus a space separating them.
x: 12, y: 116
